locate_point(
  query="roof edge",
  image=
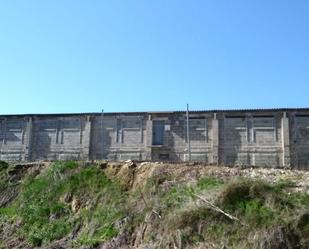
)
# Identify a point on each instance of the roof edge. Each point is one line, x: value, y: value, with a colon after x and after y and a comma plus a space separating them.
x: 160, y: 112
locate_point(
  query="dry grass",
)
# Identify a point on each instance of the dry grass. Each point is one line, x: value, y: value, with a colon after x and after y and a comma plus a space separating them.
x: 155, y: 205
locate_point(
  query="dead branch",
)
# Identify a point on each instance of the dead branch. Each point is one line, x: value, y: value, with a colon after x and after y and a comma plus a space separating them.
x: 155, y: 212
x: 214, y: 207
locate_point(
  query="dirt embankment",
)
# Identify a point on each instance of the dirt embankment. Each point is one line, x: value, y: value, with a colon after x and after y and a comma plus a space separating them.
x: 136, y: 175
x: 111, y: 205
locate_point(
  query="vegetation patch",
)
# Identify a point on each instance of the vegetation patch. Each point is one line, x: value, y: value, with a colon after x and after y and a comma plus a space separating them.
x: 3, y: 165
x: 87, y: 208
x: 209, y: 182
x: 51, y: 204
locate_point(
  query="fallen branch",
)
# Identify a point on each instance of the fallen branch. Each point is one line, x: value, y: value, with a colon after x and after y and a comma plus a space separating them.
x: 214, y: 207
x: 155, y: 212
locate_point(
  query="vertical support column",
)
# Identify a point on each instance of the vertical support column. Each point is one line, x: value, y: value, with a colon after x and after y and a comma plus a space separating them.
x: 86, y: 142
x: 28, y: 142
x: 188, y: 134
x: 3, y: 140
x: 215, y: 140
x: 4, y: 131
x: 148, y: 138
x: 102, y: 135
x: 285, y: 129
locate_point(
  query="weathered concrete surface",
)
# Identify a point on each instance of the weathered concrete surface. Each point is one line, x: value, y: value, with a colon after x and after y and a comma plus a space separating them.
x: 274, y: 138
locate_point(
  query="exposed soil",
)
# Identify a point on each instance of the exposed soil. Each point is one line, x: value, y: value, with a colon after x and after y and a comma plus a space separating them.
x: 153, y: 205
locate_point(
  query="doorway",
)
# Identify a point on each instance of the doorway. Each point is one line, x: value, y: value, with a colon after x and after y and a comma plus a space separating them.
x: 158, y: 132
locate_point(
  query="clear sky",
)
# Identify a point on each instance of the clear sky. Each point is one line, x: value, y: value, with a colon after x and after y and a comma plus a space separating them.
x: 82, y: 56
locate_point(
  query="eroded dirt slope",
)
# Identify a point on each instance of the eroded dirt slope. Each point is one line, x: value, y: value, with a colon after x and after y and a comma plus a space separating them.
x: 151, y: 205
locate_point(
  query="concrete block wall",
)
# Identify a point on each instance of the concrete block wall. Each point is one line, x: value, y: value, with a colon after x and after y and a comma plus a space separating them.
x: 60, y: 138
x: 14, y: 138
x: 251, y: 139
x: 299, y: 140
x: 200, y: 129
x: 118, y: 137
x: 273, y: 138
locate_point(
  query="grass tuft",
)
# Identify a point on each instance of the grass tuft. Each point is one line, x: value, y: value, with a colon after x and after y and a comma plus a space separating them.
x: 209, y: 182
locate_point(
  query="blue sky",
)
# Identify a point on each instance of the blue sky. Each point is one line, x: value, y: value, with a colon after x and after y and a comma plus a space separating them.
x: 82, y: 56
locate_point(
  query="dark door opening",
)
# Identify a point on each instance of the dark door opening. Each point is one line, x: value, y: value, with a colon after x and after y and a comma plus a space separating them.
x: 158, y: 132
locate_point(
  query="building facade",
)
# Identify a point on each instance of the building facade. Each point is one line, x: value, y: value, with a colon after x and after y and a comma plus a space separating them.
x: 268, y: 137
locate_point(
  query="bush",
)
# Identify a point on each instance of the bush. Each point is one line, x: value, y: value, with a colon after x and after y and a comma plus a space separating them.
x: 235, y: 192
x: 246, y: 190
x: 3, y: 165
x: 255, y: 213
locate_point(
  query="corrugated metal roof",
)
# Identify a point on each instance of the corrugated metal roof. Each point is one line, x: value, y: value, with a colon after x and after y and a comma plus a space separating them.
x: 162, y: 112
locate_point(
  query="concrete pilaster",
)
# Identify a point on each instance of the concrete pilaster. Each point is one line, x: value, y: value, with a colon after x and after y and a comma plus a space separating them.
x: 149, y: 139
x: 28, y: 141
x: 86, y: 140
x: 215, y: 140
x: 286, y: 152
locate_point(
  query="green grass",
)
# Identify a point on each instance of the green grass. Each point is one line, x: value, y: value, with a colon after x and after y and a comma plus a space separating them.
x: 176, y: 197
x: 255, y: 213
x: 46, y: 217
x: 260, y: 206
x: 9, y: 211
x: 171, y: 212
x: 209, y: 182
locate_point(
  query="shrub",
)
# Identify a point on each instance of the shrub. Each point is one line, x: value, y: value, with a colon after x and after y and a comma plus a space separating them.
x: 235, y: 192
x: 255, y: 213
x: 3, y: 165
